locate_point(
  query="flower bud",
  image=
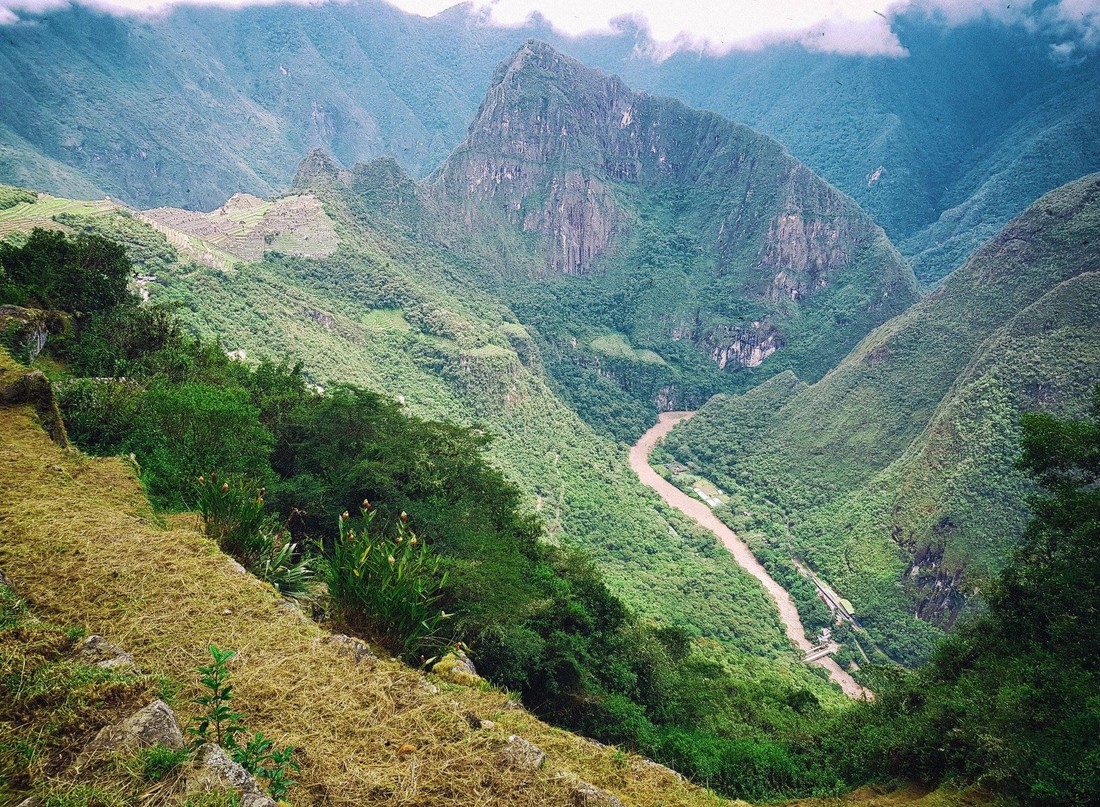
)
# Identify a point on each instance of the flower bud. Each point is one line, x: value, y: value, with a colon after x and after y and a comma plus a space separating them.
x: 366, y: 504
x: 344, y: 516
x: 412, y: 541
x: 404, y: 516
x: 201, y: 480
x: 225, y: 487
x: 392, y: 560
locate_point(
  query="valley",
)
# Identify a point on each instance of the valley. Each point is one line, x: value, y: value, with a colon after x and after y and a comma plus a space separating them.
x: 733, y: 444
x: 700, y: 513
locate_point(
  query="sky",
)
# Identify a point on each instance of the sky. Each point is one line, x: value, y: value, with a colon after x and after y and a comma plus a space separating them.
x: 856, y: 27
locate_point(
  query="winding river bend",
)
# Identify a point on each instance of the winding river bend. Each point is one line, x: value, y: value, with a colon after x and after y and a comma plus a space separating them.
x: 701, y: 514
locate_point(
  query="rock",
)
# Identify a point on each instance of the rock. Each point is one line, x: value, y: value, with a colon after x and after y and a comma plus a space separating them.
x: 99, y: 652
x: 648, y: 764
x: 32, y: 387
x: 30, y: 801
x: 457, y: 668
x: 156, y: 724
x: 520, y: 753
x: 431, y: 689
x: 214, y: 770
x: 584, y: 794
x: 476, y: 722
x: 347, y: 646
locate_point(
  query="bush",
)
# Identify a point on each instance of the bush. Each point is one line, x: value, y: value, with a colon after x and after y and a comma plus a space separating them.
x: 182, y: 429
x: 233, y: 515
x: 84, y: 273
x: 386, y: 586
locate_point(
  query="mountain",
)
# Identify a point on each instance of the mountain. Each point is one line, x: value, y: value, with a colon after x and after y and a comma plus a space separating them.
x: 192, y: 106
x: 196, y: 104
x: 669, y: 250
x: 896, y: 469
x: 942, y: 146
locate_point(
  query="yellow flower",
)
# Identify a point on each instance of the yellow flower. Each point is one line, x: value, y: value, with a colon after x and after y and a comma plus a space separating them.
x: 404, y: 516
x: 412, y: 541
x: 392, y: 560
x: 344, y: 516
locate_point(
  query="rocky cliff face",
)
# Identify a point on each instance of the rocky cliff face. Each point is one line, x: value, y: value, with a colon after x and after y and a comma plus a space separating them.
x: 568, y: 161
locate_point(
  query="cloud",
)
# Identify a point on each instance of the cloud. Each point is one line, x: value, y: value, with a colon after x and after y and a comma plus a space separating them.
x: 852, y: 27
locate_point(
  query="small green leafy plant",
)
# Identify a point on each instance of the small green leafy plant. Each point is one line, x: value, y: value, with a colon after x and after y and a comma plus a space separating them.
x: 389, y: 586
x: 219, y: 723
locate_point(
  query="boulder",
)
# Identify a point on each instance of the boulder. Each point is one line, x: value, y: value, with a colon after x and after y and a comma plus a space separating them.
x: 457, y: 668
x: 348, y: 646
x: 99, y: 652
x: 583, y: 794
x: 156, y: 724
x: 644, y: 764
x: 215, y: 771
x: 523, y: 754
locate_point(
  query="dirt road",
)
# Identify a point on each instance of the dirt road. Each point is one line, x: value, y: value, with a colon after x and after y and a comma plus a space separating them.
x: 700, y: 513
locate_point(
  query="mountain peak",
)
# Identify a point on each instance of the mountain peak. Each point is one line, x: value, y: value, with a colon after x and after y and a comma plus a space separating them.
x: 316, y: 171
x: 538, y: 60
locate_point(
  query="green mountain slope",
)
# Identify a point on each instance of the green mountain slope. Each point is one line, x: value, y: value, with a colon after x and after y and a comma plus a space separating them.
x: 670, y: 251
x: 896, y: 469
x: 197, y: 104
x: 393, y: 315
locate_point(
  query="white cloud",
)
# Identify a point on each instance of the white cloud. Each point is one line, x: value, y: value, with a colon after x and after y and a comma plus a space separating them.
x: 716, y: 26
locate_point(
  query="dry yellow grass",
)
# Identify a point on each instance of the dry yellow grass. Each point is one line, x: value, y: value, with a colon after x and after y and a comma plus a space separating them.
x: 78, y: 543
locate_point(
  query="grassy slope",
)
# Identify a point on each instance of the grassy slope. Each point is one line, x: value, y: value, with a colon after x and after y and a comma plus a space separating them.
x: 164, y: 593
x: 904, y: 451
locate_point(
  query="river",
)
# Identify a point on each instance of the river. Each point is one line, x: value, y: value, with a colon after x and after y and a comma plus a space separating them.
x: 702, y: 515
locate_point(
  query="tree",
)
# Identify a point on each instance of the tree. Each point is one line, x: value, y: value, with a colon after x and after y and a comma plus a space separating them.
x: 84, y: 273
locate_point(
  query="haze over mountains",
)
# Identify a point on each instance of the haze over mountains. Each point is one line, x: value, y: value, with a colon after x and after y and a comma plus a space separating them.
x: 941, y: 147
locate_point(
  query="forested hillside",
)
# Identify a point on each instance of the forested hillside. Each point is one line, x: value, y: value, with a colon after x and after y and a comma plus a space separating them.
x: 656, y: 249
x: 896, y: 469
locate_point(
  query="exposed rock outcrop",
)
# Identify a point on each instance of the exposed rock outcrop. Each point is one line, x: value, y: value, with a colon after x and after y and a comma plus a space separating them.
x: 457, y: 668
x: 19, y: 385
x: 522, y: 754
x: 214, y: 771
x: 583, y: 794
x: 348, y: 646
x: 97, y: 651
x: 156, y: 724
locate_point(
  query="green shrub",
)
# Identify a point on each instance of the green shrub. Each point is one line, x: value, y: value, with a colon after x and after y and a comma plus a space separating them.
x: 84, y: 273
x: 219, y: 724
x: 387, y: 586
x: 233, y: 515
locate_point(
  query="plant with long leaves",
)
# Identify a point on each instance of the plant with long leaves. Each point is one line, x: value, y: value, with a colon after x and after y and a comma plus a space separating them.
x: 388, y: 586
